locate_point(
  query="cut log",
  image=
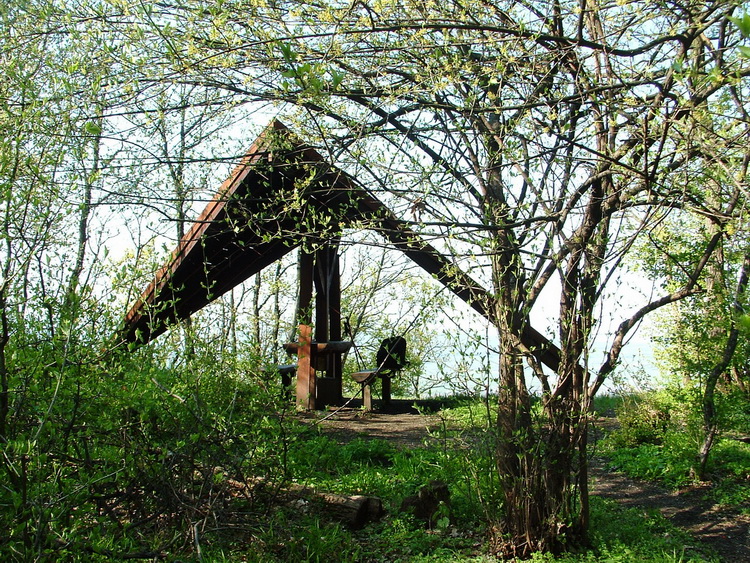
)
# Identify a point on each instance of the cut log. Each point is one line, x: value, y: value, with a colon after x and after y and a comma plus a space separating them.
x: 354, y: 511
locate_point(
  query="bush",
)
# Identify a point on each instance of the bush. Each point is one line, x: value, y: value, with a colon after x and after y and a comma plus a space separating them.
x: 651, y: 445
x: 643, y: 419
x: 129, y: 456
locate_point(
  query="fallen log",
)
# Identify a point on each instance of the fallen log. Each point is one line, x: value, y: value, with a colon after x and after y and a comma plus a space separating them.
x: 355, y: 511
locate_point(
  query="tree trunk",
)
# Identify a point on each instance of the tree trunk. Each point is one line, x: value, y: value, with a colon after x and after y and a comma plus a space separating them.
x: 534, y: 457
x: 4, y: 380
x: 276, y: 331
x: 710, y: 422
x: 537, y: 467
x: 85, y: 208
x: 256, y: 339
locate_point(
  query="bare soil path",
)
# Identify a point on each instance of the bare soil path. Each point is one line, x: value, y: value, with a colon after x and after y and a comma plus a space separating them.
x: 400, y: 424
x: 725, y: 531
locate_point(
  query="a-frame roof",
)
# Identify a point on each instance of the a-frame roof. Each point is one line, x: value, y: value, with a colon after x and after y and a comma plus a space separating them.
x: 282, y: 195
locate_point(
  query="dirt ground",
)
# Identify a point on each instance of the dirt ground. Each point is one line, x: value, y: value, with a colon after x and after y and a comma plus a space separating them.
x: 725, y: 531
x: 401, y: 424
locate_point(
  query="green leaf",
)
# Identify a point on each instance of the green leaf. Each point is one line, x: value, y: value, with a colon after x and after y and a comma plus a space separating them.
x: 287, y: 52
x: 336, y: 79
x: 743, y: 24
x: 743, y: 324
x: 92, y: 128
x: 745, y: 51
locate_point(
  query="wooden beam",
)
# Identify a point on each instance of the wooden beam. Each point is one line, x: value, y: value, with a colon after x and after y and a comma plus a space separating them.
x: 305, y: 370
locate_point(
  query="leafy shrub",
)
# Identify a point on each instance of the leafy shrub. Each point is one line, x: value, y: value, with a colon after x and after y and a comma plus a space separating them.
x: 669, y: 462
x: 129, y: 456
x: 729, y: 467
x: 734, y: 408
x: 643, y: 420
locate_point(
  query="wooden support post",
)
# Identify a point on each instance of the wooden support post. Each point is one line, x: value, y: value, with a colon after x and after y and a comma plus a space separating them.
x: 328, y: 321
x: 322, y: 334
x: 304, y: 299
x: 367, y: 397
x: 334, y: 307
x: 305, y: 370
x: 322, y: 295
x: 386, y: 390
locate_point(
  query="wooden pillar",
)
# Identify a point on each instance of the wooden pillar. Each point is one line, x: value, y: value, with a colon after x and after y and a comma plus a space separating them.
x: 304, y: 299
x: 334, y: 315
x: 367, y: 397
x: 328, y: 320
x: 319, y: 271
x: 306, y: 379
x: 386, y: 381
x: 322, y: 294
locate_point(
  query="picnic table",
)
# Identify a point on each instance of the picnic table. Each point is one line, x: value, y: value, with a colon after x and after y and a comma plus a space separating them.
x: 312, y: 357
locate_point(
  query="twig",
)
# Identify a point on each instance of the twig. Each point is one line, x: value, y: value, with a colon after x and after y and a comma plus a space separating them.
x: 167, y: 391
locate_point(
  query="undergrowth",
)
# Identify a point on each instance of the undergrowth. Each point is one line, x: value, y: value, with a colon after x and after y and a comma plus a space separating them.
x: 142, y: 461
x: 657, y: 440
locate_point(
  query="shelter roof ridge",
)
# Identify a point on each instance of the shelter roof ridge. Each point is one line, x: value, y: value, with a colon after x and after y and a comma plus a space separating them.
x: 245, y: 228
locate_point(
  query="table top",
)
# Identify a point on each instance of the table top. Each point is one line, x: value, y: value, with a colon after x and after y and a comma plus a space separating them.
x: 331, y: 347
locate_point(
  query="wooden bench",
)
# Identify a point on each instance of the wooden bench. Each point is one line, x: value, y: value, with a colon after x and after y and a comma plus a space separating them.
x: 391, y: 358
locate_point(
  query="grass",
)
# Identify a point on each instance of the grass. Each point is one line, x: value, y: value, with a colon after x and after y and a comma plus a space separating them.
x: 619, y: 536
x: 376, y: 467
x: 223, y: 524
x: 655, y: 442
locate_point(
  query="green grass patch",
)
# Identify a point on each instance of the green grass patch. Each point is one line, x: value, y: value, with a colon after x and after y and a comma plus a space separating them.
x: 618, y: 535
x: 608, y: 405
x: 729, y: 468
x: 668, y: 464
x: 470, y: 413
x: 630, y: 534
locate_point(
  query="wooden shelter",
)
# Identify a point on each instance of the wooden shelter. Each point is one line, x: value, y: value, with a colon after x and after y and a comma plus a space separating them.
x: 284, y: 195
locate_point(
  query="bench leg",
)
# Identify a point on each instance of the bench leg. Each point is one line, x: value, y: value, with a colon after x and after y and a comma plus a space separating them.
x: 367, y: 397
